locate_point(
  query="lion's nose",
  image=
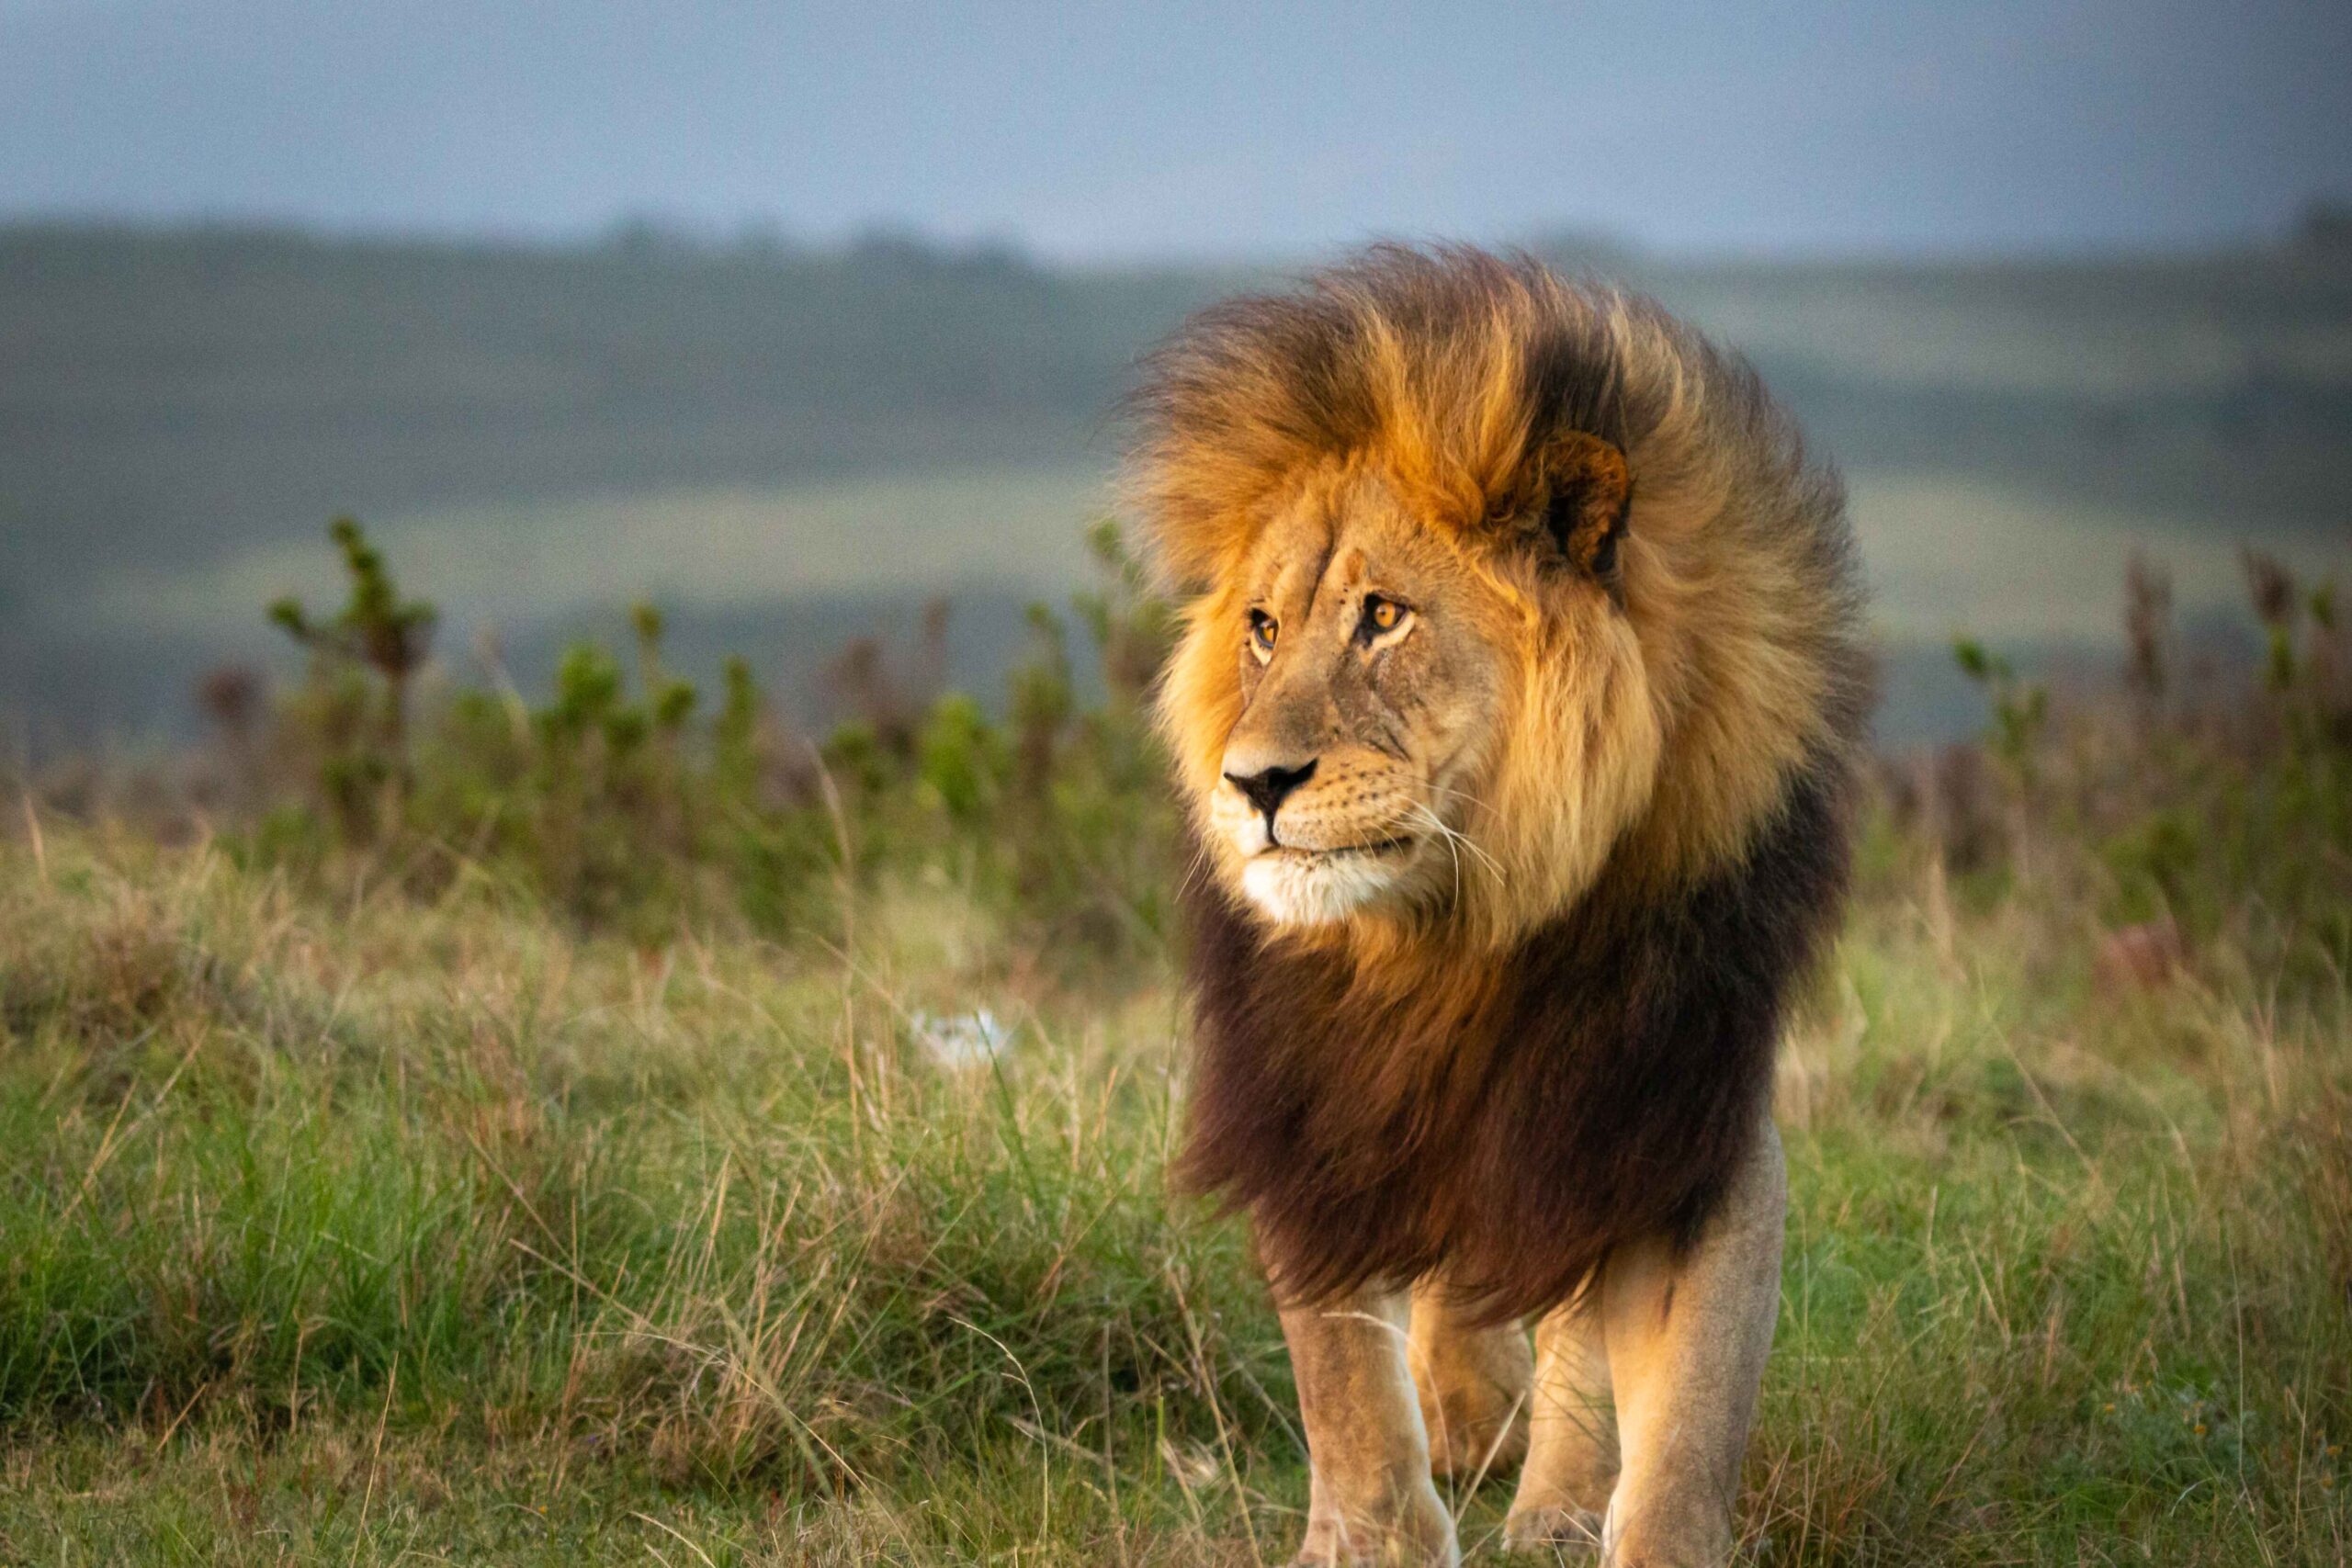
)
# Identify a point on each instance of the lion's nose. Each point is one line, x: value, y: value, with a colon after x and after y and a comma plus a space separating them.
x: 1269, y: 788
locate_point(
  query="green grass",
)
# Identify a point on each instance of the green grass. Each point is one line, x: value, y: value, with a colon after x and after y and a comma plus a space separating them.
x: 342, y: 1226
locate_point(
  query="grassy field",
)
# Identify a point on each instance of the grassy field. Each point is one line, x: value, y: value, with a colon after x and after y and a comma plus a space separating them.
x: 342, y: 1226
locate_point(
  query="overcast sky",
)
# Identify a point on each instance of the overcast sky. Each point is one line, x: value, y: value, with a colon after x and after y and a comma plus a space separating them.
x: 1093, y: 131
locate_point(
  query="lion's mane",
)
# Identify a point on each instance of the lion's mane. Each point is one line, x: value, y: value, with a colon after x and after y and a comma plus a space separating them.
x: 1581, y: 1055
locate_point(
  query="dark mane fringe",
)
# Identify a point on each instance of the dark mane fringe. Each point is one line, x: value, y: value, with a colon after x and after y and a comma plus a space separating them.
x: 1602, y: 1085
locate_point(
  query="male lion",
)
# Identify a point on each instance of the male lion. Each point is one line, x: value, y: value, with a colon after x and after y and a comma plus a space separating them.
x: 1515, y: 710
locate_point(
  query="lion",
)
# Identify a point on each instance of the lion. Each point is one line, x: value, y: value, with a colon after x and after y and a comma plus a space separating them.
x: 1515, y: 708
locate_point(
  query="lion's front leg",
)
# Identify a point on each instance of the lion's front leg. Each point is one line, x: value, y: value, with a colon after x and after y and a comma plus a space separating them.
x: 1572, y: 1454
x: 1687, y: 1338
x: 1371, y: 1499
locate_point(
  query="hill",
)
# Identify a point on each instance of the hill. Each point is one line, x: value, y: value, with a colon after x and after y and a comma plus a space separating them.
x: 778, y: 438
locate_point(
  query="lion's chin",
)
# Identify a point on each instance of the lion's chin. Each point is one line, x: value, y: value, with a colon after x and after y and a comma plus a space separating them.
x: 1302, y: 888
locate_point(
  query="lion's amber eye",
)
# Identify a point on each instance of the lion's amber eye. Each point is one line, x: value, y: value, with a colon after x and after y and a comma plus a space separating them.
x: 1263, y: 631
x: 1381, y: 614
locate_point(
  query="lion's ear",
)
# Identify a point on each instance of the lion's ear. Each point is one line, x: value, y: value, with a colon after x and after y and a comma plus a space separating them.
x: 1589, y: 490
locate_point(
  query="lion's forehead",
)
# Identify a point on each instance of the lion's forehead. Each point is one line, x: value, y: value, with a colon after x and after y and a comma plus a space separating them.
x: 1292, y: 555
x: 1327, y: 541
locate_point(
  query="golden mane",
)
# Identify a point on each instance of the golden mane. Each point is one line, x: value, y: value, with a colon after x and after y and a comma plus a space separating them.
x: 1451, y: 372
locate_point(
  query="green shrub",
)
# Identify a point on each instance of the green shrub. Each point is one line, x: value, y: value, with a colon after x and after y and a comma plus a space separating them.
x: 631, y: 804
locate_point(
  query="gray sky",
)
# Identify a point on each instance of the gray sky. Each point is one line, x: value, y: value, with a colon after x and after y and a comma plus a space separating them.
x: 1107, y: 130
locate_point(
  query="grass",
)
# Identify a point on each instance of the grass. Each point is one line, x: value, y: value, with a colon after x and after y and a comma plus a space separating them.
x: 339, y: 1225
x: 454, y: 1130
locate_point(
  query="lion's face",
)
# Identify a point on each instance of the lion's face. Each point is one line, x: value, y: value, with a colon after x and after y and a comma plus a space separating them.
x: 1372, y: 679
x: 1401, y: 703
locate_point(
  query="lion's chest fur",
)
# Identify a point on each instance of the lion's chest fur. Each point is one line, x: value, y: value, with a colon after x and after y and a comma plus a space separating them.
x: 1508, y: 1122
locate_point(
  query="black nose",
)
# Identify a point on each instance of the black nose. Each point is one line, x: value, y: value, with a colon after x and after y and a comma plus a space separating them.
x: 1266, y: 790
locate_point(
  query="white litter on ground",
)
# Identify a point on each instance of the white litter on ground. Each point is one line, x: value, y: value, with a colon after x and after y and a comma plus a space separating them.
x: 960, y: 1042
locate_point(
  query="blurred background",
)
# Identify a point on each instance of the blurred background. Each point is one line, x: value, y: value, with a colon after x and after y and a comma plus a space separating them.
x: 792, y: 319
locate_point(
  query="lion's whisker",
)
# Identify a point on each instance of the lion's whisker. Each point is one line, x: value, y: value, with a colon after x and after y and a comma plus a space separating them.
x: 1446, y: 837
x: 1414, y: 812
x: 1459, y: 794
x: 1453, y: 836
x: 1479, y: 804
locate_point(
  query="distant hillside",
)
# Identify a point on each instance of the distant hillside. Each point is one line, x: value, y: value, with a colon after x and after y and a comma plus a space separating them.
x: 165, y: 396
x: 180, y: 411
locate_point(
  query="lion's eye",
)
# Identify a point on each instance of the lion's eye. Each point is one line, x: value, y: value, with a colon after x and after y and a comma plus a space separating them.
x: 1263, y: 632
x: 1381, y: 616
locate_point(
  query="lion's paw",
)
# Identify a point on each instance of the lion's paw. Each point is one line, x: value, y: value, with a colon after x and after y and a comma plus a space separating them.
x: 1476, y: 1425
x: 1419, y: 1536
x: 1560, y: 1529
x: 1392, y: 1553
x: 1469, y: 1445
